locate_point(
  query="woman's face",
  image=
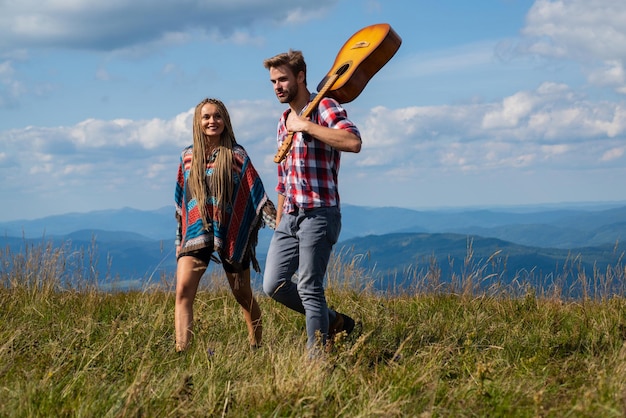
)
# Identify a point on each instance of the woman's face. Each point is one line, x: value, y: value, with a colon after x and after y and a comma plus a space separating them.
x: 211, y: 121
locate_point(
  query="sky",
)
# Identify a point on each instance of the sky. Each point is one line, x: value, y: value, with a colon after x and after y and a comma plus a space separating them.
x: 489, y: 103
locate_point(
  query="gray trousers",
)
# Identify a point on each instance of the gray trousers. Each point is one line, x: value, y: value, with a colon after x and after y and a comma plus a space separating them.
x: 303, y: 242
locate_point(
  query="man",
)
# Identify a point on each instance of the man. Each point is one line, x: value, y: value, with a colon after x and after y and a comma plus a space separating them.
x: 308, y: 214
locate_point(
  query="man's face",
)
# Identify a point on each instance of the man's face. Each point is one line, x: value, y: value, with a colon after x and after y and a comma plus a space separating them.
x: 285, y: 83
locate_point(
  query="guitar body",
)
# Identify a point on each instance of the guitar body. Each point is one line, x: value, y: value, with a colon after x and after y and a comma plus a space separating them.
x: 366, y: 52
x: 362, y: 56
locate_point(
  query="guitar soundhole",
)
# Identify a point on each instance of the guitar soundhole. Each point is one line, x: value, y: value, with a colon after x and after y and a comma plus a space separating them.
x: 341, y: 70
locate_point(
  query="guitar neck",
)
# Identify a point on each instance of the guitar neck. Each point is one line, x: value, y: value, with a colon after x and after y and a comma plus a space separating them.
x: 320, y: 95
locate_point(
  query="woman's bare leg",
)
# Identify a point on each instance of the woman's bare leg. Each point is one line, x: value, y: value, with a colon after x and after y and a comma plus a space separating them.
x: 240, y: 286
x: 189, y: 270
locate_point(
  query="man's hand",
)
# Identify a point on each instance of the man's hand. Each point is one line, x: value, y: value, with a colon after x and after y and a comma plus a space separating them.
x: 296, y: 123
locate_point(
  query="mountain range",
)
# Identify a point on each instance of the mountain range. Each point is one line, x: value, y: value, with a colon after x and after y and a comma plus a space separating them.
x: 395, y: 244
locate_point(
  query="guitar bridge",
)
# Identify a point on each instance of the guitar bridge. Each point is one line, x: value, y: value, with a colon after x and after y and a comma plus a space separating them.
x: 361, y: 44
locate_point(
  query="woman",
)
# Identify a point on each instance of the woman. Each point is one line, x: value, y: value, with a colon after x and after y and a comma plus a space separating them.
x: 220, y: 206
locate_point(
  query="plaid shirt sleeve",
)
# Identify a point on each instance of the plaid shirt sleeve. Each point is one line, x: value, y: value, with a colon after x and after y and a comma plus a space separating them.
x: 331, y: 114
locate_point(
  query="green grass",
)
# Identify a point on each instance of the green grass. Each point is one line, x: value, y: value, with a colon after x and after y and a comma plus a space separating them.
x: 77, y: 351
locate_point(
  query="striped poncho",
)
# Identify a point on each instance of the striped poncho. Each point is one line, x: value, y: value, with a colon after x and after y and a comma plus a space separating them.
x: 236, y: 236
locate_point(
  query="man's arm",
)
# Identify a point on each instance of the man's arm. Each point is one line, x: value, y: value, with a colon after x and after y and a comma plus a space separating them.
x: 279, y: 208
x: 339, y: 139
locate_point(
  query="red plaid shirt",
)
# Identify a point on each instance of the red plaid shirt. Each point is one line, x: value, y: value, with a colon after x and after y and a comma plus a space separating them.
x: 308, y: 176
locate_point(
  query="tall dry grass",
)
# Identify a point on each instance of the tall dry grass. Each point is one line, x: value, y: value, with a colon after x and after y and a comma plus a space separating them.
x: 440, y: 348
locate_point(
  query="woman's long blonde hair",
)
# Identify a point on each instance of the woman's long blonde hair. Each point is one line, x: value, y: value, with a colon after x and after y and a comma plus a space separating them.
x: 221, y: 181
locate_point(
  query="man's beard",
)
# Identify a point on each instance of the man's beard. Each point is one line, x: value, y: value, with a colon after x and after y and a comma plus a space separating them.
x: 291, y: 94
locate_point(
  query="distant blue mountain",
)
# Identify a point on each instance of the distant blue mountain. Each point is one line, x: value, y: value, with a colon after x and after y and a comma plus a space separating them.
x: 130, y: 244
x: 557, y: 228
x: 154, y: 224
x: 403, y: 260
x: 552, y: 228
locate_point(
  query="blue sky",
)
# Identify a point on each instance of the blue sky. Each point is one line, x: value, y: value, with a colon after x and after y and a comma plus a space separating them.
x: 490, y: 103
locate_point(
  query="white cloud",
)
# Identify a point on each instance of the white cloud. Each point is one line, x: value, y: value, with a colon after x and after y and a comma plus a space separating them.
x: 579, y: 28
x: 547, y: 126
x: 119, y: 155
x: 6, y: 71
x: 609, y: 74
x: 301, y: 14
x: 132, y: 30
x: 508, y: 114
x: 10, y: 87
x: 592, y: 33
x: 101, y: 143
x: 613, y: 154
x: 111, y: 25
x: 555, y: 130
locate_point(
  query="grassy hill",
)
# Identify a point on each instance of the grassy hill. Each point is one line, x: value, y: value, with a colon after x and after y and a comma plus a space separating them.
x: 439, y: 350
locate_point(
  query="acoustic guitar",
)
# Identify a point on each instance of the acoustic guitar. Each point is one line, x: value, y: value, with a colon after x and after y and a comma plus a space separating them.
x: 362, y: 56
